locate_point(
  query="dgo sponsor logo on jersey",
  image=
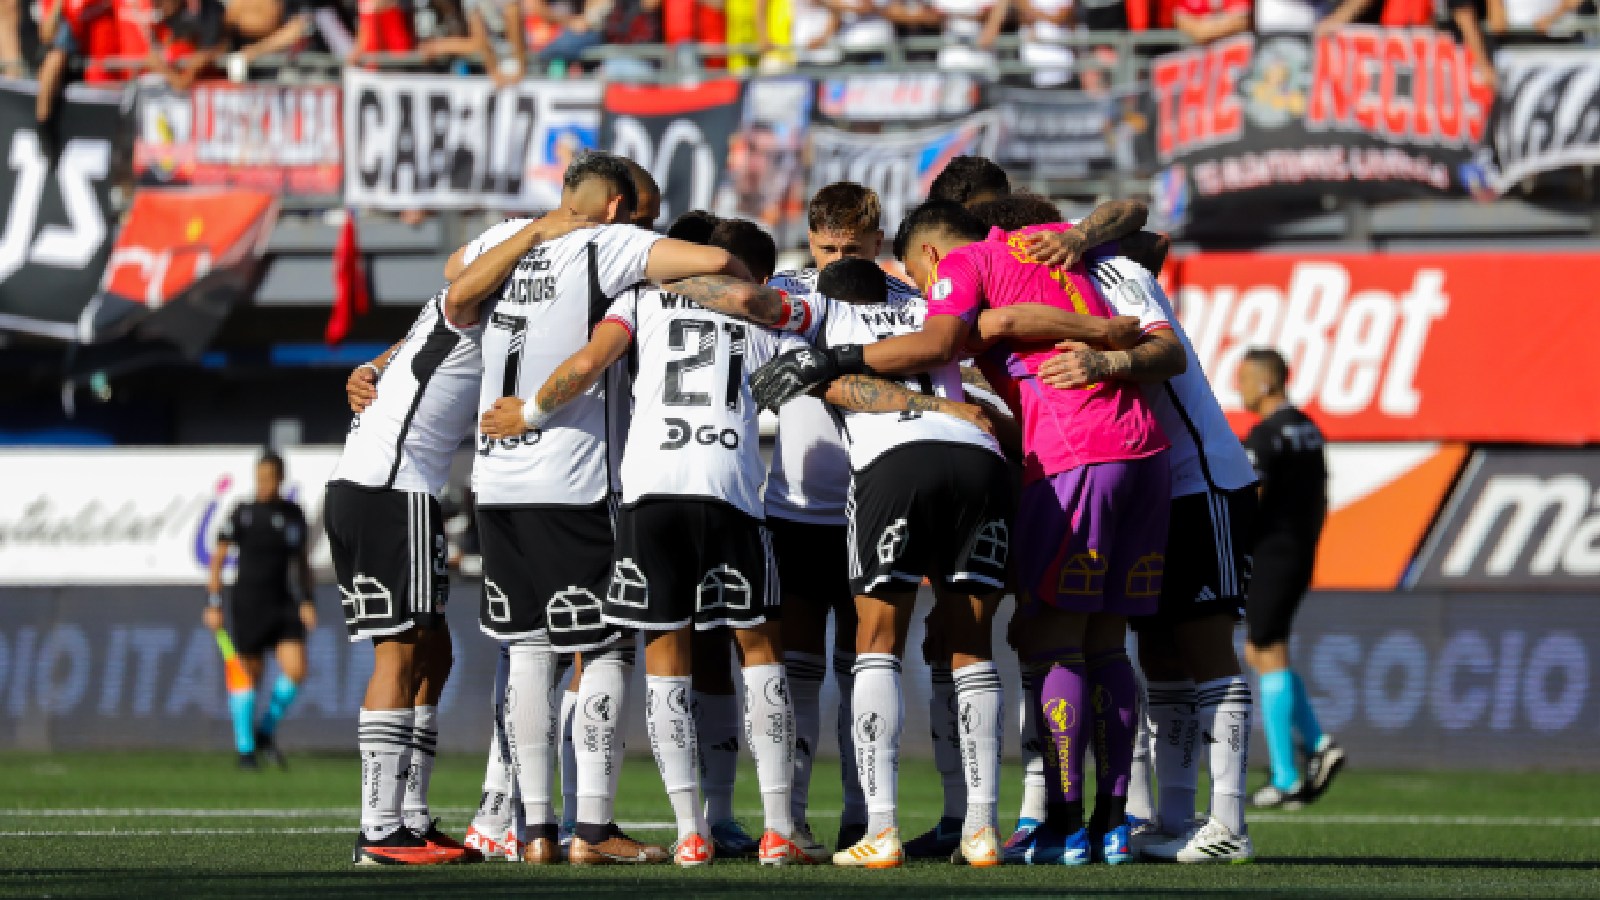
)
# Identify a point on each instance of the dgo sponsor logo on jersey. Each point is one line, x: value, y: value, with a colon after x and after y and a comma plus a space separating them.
x: 1400, y: 346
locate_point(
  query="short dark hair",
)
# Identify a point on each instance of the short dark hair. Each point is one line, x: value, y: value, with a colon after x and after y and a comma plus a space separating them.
x: 844, y: 206
x: 643, y: 182
x: 946, y: 216
x: 694, y: 226
x: 607, y: 167
x: 966, y: 177
x: 749, y: 243
x: 1271, y: 360
x: 851, y: 279
x: 1016, y: 211
x: 272, y: 459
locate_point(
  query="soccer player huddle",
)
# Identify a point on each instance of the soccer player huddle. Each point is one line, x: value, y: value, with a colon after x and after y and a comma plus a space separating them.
x: 1027, y: 419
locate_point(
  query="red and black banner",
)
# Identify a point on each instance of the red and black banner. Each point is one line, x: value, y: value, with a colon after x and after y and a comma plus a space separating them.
x: 680, y: 134
x: 1362, y: 111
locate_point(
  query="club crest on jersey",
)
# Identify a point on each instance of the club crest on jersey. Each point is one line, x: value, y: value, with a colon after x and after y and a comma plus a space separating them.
x: 941, y: 289
x: 723, y: 588
x: 367, y: 599
x: 628, y: 586
x: 574, y: 609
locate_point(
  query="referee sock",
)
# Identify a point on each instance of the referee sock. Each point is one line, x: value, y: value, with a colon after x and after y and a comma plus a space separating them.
x: 716, y: 725
x: 878, y: 719
x: 494, y: 808
x: 855, y: 803
x: 1141, y: 794
x: 1114, y: 695
x: 981, y: 701
x: 424, y: 745
x: 806, y: 672
x: 769, y: 730
x: 596, y: 736
x: 384, y: 739
x: 1224, y: 708
x: 1175, y: 733
x: 284, y: 691
x: 672, y: 742
x: 1305, y: 717
x: 1277, y: 720
x: 569, y: 755
x: 1031, y: 733
x: 242, y: 706
x: 531, y: 727
x: 947, y: 744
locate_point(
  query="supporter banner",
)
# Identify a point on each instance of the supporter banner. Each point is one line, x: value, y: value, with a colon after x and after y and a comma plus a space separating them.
x: 280, y: 138
x: 765, y: 178
x: 1521, y: 519
x: 1405, y: 346
x: 1363, y: 111
x: 900, y: 166
x: 126, y: 516
x: 446, y: 141
x: 1548, y: 116
x: 1050, y: 133
x: 55, y: 200
x: 913, y: 98
x: 680, y: 134
x: 1381, y: 500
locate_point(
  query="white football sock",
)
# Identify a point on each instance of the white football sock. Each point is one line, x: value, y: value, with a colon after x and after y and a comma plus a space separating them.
x: 716, y: 725
x: 494, y: 807
x: 1035, y: 787
x: 1141, y: 794
x: 384, y: 737
x: 1224, y: 709
x: 1175, y: 732
x: 946, y: 734
x: 569, y: 757
x: 980, y: 704
x: 878, y: 718
x: 597, y: 725
x: 769, y: 730
x: 419, y: 769
x: 531, y: 727
x: 672, y: 741
x: 806, y: 672
x: 855, y: 803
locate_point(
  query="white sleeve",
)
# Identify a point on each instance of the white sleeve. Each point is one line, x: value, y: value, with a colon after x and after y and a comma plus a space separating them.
x: 1131, y: 292
x: 495, y: 234
x: 840, y: 323
x: 624, y: 252
x: 625, y: 312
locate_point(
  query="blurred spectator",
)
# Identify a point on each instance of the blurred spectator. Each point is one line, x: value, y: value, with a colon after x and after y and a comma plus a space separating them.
x: 1467, y: 18
x: 495, y: 34
x: 857, y: 29
x: 270, y: 27
x: 11, y: 65
x: 578, y: 24
x: 627, y: 23
x: 1535, y: 16
x: 383, y: 26
x: 970, y: 30
x: 1388, y: 13
x: 188, y: 37
x: 912, y: 20
x: 1286, y: 16
x: 1043, y: 28
x: 75, y: 30
x: 1205, y: 21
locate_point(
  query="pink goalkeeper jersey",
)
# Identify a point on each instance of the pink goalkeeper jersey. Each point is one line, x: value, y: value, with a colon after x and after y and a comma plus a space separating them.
x: 1061, y: 430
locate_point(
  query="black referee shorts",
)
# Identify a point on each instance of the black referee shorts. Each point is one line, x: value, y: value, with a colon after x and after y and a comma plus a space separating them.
x: 261, y: 621
x: 1283, y: 565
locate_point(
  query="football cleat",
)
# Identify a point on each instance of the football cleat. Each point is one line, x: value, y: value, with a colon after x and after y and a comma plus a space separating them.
x: 616, y: 850
x: 1114, y: 847
x: 484, y: 843
x: 436, y: 838
x: 1047, y: 846
x: 938, y: 842
x: 268, y: 747
x: 731, y: 841
x: 1150, y: 835
x: 692, y: 851
x: 850, y: 834
x: 1321, y: 766
x: 1012, y: 851
x: 401, y: 847
x: 513, y: 842
x: 811, y: 850
x: 564, y: 835
x: 777, y: 850
x: 980, y: 850
x: 248, y: 763
x: 1271, y: 796
x: 1211, y: 842
x: 541, y: 851
x: 882, y: 851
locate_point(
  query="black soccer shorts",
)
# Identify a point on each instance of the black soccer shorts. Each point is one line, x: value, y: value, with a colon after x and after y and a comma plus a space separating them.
x: 814, y: 565
x: 1210, y: 538
x: 691, y: 562
x: 389, y: 558
x: 544, y: 571
x: 261, y: 622
x: 935, y: 510
x: 1282, y: 576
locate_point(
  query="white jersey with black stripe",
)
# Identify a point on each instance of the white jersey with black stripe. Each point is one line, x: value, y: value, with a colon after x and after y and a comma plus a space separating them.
x: 552, y: 300
x: 424, y: 410
x: 695, y: 432
x: 810, y: 477
x: 1205, y: 454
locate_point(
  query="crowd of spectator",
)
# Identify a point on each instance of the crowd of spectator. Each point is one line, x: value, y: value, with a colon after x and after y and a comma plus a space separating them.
x: 179, y: 40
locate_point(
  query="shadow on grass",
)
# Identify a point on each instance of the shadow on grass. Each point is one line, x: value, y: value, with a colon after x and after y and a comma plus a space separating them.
x: 1433, y: 862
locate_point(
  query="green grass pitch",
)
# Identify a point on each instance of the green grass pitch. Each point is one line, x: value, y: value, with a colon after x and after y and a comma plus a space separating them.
x: 189, y: 825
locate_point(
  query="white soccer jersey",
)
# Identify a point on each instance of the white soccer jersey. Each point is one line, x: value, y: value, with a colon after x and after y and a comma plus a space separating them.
x: 557, y: 293
x: 695, y: 433
x: 810, y: 477
x: 424, y: 409
x: 1205, y: 452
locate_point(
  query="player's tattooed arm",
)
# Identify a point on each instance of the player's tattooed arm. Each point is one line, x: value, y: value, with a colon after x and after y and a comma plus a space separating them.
x: 511, y: 416
x: 733, y: 297
x: 1038, y: 322
x: 1158, y: 357
x: 1109, y: 221
x: 869, y: 393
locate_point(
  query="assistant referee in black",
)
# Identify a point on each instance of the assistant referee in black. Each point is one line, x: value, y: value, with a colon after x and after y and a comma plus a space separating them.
x: 1286, y: 448
x: 269, y: 533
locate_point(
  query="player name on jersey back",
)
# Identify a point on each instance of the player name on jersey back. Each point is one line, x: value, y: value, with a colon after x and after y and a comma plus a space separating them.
x: 544, y: 315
